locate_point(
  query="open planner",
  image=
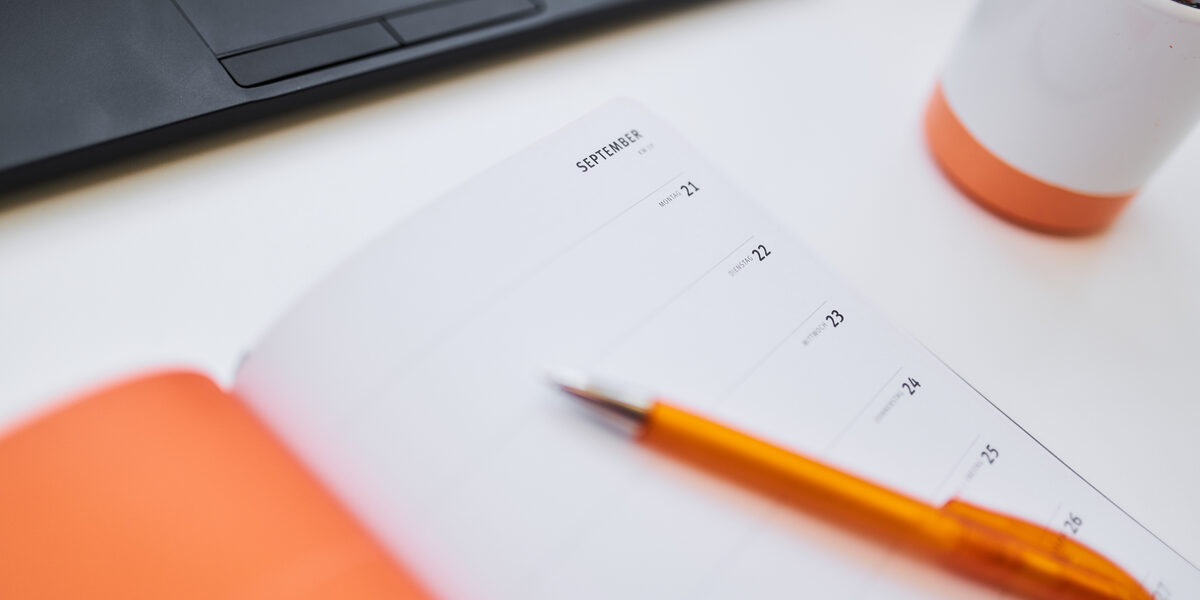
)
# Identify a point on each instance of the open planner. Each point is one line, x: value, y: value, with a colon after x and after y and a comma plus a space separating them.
x: 407, y: 396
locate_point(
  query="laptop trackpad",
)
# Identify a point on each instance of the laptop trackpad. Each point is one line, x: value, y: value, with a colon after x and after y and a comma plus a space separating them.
x: 231, y: 25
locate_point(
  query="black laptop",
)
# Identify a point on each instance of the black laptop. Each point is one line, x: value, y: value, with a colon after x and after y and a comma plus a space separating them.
x: 84, y: 81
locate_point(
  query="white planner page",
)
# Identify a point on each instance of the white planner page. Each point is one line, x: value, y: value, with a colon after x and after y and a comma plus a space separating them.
x: 412, y: 382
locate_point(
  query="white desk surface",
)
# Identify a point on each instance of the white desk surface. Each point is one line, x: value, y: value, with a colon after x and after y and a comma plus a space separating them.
x: 814, y: 106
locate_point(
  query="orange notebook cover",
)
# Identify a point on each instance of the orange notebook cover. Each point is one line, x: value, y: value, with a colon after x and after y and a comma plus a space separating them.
x: 166, y: 486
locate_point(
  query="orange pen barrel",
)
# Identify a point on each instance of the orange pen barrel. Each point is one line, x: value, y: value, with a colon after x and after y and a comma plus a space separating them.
x: 1033, y: 571
x: 1008, y: 553
x: 1086, y: 569
x: 798, y: 481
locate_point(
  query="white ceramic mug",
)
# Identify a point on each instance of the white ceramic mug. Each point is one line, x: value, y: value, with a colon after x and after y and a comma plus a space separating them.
x: 1053, y: 113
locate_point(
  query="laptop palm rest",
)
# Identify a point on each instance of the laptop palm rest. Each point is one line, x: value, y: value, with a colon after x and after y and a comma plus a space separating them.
x: 310, y: 34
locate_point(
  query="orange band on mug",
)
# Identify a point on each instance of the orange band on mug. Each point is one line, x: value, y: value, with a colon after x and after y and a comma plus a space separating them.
x: 1004, y: 189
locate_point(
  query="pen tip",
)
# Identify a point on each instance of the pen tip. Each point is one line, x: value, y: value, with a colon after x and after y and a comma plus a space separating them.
x: 630, y: 405
x: 568, y: 379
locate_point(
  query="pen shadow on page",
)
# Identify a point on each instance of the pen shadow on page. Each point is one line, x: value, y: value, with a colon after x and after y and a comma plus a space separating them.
x: 815, y: 535
x: 613, y: 424
x: 364, y: 90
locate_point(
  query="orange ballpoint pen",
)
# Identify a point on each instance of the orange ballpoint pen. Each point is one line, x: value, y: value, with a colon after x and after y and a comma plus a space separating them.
x: 1007, y: 553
